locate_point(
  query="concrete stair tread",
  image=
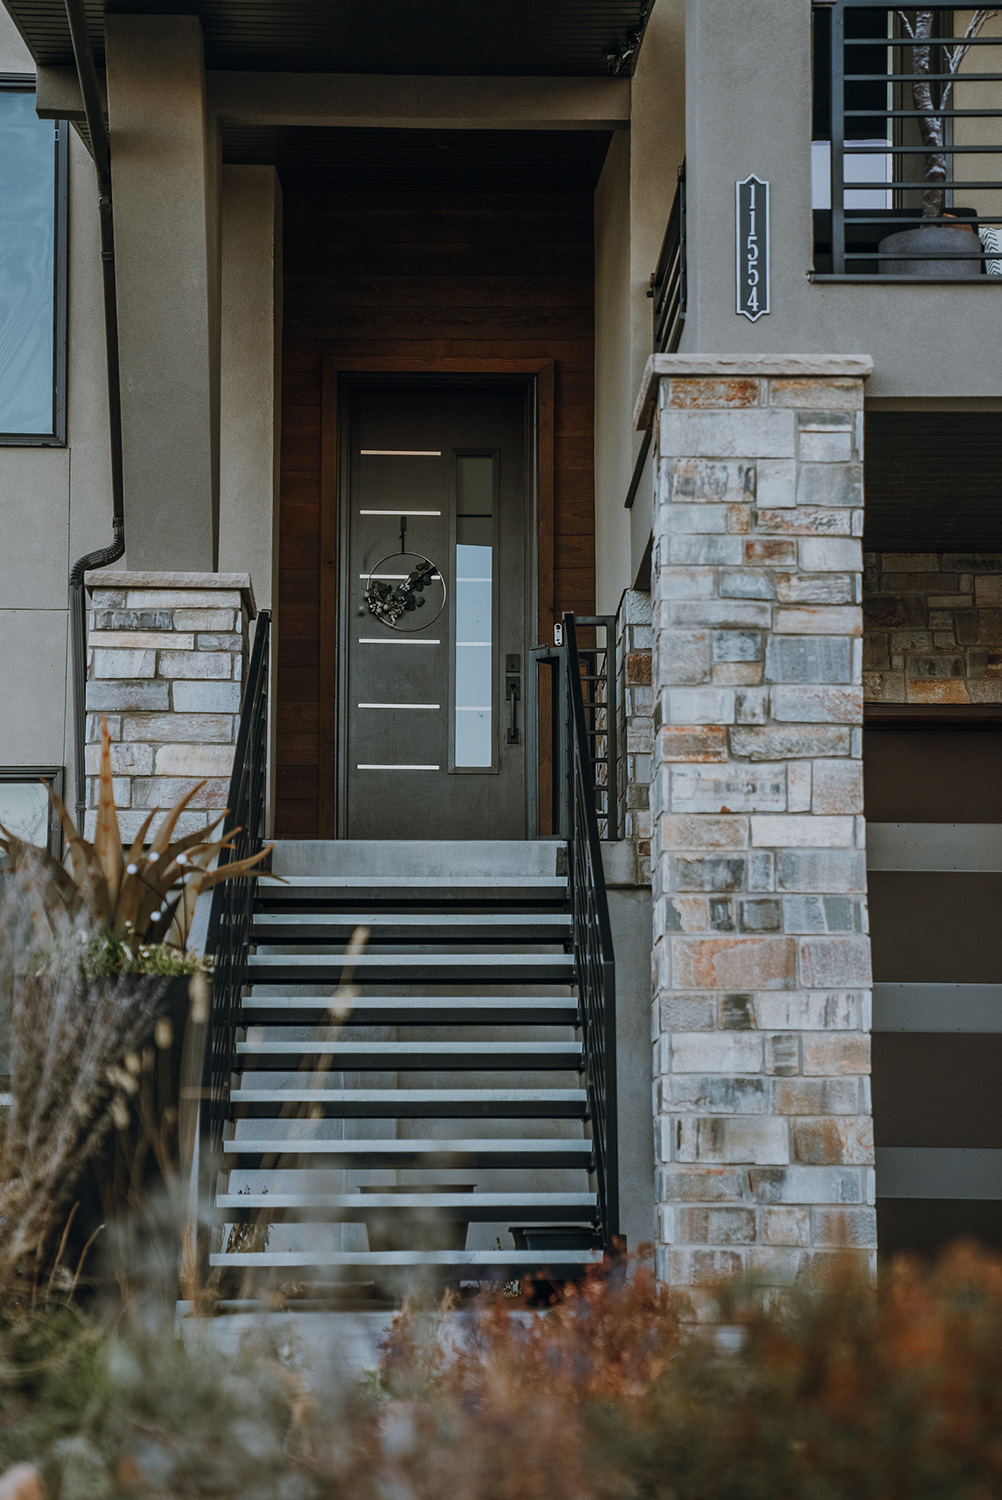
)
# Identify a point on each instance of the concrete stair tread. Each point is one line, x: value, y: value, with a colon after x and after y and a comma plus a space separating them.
x: 418, y: 920
x: 524, y: 1260
x: 500, y: 962
x: 419, y: 859
x: 425, y: 882
x: 284, y: 1094
x: 474, y: 1205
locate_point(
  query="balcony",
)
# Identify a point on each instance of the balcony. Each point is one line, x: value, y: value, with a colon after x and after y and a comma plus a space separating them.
x: 907, y: 144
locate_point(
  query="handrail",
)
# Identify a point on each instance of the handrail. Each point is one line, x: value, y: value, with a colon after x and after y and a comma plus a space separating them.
x: 599, y: 689
x: 591, y: 932
x: 601, y: 710
x: 232, y: 910
x: 670, y: 281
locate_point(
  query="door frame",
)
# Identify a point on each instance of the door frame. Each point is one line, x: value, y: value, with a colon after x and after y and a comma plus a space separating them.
x: 539, y: 381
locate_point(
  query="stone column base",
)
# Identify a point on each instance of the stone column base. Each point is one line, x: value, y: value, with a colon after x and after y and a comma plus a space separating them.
x: 166, y: 660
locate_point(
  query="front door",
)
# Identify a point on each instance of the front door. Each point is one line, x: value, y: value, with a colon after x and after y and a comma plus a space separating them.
x: 437, y: 557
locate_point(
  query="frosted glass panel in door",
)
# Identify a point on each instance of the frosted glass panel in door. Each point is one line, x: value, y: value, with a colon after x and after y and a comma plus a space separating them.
x: 474, y: 619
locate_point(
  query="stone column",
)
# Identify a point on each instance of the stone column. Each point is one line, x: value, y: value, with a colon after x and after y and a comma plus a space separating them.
x: 166, y: 660
x: 761, y: 962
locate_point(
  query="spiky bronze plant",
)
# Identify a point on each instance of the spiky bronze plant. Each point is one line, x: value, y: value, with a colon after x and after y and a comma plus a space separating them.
x: 140, y: 898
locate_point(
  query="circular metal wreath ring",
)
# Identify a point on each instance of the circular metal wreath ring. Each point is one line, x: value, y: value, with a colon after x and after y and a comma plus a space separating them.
x: 425, y: 619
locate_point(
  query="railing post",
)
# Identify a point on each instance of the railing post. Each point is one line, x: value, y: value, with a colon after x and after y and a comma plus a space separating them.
x: 838, y: 138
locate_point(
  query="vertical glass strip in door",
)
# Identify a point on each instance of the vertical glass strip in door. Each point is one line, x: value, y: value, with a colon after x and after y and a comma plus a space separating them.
x: 473, y: 710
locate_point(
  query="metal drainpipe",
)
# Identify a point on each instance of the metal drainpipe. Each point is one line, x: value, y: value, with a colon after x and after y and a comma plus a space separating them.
x: 87, y: 76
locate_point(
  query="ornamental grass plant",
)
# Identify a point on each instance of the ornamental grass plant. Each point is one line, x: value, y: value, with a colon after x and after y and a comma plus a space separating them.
x: 94, y: 957
x: 839, y: 1395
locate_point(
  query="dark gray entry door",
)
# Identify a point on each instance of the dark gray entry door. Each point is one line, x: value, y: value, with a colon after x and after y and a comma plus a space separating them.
x: 433, y: 744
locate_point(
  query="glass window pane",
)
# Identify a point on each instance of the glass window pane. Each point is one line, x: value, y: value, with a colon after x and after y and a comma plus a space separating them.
x: 24, y: 811
x: 27, y: 261
x: 474, y: 575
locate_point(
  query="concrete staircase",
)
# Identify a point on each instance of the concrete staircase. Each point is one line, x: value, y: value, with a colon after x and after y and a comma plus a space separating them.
x: 438, y: 1135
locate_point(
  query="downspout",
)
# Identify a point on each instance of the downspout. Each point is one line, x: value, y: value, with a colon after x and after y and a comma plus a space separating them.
x: 87, y: 76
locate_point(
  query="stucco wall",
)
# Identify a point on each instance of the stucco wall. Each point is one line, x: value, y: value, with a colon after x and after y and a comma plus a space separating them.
x: 632, y: 203
x: 56, y: 501
x: 250, y: 384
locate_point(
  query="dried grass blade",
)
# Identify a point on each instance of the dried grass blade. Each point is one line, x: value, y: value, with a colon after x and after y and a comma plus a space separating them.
x: 107, y: 837
x: 163, y: 833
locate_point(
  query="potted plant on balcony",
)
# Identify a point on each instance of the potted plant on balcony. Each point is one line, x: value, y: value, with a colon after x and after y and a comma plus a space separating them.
x: 935, y: 249
x: 94, y: 957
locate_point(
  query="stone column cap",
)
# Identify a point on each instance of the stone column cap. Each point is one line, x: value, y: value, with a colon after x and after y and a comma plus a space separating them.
x: 732, y: 366
x: 111, y: 578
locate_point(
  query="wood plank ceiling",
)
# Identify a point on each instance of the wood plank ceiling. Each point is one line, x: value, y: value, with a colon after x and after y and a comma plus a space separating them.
x: 528, y: 37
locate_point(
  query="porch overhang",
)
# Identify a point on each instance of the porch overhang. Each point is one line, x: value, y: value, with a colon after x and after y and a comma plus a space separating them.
x: 414, y: 102
x: 533, y: 38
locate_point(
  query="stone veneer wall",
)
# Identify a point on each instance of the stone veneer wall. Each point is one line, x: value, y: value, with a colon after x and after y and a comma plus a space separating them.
x: 761, y: 963
x: 636, y: 728
x: 166, y: 658
x: 933, y: 627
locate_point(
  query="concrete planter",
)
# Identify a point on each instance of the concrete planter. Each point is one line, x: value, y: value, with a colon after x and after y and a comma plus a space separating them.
x: 931, y: 240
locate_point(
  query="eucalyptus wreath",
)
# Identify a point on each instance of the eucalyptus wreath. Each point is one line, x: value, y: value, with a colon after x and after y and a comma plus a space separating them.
x: 388, y: 601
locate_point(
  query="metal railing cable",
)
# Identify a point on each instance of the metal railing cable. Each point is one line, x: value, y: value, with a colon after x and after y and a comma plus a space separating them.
x: 231, y: 914
x: 592, y: 938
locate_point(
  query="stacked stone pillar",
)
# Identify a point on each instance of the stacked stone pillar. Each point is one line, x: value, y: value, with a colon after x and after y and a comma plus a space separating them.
x: 761, y: 959
x: 166, y: 653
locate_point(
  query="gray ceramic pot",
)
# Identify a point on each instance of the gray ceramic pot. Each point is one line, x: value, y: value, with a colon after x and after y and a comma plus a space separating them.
x: 927, y: 240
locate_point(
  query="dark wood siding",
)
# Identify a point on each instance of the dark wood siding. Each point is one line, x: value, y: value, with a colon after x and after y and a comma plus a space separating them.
x: 423, y: 278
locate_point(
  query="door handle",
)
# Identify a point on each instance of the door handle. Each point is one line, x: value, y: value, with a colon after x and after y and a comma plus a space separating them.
x: 513, y: 694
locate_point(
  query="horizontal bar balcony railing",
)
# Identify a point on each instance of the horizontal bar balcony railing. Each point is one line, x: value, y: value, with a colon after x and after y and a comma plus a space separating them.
x: 907, y: 150
x: 669, y: 285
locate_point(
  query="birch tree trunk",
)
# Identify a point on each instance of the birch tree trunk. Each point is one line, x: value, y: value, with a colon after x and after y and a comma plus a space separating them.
x: 930, y: 122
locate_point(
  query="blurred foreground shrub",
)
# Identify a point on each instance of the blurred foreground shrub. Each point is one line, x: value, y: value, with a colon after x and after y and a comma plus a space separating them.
x: 844, y: 1395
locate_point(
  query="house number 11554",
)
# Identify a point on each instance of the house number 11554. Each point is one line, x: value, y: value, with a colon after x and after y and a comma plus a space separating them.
x: 752, y: 200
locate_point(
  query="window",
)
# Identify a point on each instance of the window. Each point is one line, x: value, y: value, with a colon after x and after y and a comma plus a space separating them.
x: 32, y: 269
x: 25, y: 808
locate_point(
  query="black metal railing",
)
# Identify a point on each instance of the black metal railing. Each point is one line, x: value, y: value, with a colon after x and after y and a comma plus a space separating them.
x: 669, y: 282
x: 230, y: 917
x: 906, y: 109
x: 600, y: 706
x: 592, y: 935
